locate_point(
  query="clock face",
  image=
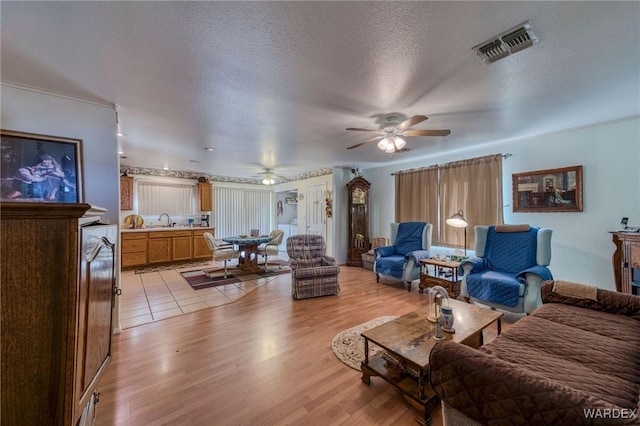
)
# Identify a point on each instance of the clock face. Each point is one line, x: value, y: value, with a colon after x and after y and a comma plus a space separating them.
x: 358, y: 196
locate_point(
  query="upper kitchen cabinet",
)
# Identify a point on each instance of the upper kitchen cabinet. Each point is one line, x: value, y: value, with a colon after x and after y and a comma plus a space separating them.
x: 205, y: 192
x: 126, y: 193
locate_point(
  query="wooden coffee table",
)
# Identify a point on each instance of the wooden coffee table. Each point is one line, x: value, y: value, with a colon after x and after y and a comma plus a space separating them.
x: 407, y: 342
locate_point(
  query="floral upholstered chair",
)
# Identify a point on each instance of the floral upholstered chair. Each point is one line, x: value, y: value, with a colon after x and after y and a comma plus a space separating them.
x: 511, y: 263
x: 410, y: 242
x: 313, y: 273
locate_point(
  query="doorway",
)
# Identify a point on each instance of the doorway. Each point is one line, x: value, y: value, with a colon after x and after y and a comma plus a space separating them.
x: 316, y: 222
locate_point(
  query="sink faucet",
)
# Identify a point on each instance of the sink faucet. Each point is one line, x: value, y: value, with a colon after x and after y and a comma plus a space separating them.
x: 168, y: 218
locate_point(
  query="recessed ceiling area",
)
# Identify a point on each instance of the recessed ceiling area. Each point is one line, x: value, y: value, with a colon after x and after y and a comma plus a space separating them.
x: 275, y: 84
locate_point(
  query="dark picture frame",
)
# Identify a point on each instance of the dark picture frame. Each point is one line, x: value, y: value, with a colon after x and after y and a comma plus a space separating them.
x: 40, y: 168
x: 548, y: 191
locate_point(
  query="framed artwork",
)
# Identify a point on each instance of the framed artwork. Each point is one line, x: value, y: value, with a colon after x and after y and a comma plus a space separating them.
x: 553, y: 190
x: 40, y: 168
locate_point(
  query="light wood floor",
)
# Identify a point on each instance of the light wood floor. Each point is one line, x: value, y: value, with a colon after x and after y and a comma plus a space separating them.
x: 265, y: 359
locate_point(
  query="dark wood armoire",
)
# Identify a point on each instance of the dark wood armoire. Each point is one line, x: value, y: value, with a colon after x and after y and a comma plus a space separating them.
x: 58, y: 281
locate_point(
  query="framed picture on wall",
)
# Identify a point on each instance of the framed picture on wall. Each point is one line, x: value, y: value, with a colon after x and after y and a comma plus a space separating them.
x: 40, y: 168
x: 553, y: 190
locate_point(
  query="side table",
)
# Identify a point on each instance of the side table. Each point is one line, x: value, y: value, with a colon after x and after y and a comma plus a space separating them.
x: 435, y: 272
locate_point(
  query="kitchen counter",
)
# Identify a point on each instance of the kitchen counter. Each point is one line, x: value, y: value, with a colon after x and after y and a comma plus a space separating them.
x: 161, y: 229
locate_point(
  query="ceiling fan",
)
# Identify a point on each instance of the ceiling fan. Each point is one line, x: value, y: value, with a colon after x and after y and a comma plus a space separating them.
x: 268, y: 176
x: 391, y: 133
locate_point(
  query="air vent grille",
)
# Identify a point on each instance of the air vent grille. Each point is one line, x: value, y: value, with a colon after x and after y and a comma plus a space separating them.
x: 509, y: 42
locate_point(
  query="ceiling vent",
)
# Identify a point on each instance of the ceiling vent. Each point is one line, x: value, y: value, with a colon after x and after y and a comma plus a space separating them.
x: 510, y: 41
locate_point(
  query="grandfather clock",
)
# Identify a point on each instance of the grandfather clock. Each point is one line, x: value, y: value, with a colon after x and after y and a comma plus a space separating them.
x: 358, y: 193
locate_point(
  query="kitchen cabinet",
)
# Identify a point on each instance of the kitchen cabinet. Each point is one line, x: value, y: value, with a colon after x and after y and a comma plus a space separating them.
x: 181, y: 245
x: 57, y: 282
x: 159, y: 247
x: 134, y: 249
x: 145, y: 247
x: 126, y: 193
x: 200, y: 247
x: 205, y: 193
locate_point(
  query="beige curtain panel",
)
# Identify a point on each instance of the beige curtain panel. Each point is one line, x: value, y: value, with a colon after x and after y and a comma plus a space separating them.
x: 475, y: 187
x: 417, y: 196
x: 433, y: 194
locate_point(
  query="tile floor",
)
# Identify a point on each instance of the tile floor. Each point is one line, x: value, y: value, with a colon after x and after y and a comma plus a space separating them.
x: 154, y: 296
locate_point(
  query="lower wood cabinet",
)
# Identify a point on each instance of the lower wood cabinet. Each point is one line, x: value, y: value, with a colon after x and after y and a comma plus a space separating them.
x: 181, y: 246
x: 134, y: 249
x: 153, y: 247
x: 200, y: 248
x: 159, y: 247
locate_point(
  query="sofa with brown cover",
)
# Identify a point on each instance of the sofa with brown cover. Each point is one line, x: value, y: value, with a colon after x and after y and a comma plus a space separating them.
x: 573, y: 361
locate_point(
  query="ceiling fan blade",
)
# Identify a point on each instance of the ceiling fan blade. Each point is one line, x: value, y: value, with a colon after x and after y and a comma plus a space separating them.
x: 426, y: 132
x: 362, y: 130
x: 411, y: 122
x: 373, y: 139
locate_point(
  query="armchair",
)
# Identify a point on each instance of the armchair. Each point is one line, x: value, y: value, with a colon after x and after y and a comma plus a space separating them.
x: 410, y: 242
x: 313, y: 273
x: 511, y: 261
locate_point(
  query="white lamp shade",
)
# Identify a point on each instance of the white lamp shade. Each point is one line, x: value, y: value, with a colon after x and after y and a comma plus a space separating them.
x: 457, y: 220
x: 399, y: 142
x: 383, y: 144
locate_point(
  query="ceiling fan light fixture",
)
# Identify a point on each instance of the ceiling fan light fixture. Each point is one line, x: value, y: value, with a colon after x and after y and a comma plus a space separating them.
x: 384, y: 143
x: 399, y: 143
x: 268, y: 180
x: 391, y: 148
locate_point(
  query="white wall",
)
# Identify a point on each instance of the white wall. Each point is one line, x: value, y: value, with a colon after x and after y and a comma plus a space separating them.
x: 34, y: 111
x: 301, y: 186
x: 581, y: 244
x: 341, y: 214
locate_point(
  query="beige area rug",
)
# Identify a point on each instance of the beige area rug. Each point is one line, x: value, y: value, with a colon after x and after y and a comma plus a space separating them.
x: 348, y: 345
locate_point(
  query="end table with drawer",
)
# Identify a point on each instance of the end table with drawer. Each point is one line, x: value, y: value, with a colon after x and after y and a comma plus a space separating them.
x: 444, y: 273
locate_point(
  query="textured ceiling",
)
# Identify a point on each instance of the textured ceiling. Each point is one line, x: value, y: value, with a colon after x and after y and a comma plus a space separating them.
x: 275, y: 84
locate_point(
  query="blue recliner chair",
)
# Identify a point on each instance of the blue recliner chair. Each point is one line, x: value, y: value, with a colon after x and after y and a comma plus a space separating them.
x: 511, y: 263
x: 410, y: 242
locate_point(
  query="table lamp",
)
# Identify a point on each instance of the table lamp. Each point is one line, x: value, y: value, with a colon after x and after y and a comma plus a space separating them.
x: 457, y: 220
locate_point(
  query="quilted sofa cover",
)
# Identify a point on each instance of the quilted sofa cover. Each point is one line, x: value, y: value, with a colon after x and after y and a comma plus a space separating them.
x: 570, y: 355
x: 313, y: 273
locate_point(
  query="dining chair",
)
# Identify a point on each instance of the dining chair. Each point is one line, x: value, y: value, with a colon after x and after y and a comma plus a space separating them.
x: 271, y: 247
x: 221, y: 252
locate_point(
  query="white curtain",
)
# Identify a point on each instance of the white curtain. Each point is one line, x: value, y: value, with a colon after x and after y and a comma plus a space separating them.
x: 174, y: 199
x: 238, y: 211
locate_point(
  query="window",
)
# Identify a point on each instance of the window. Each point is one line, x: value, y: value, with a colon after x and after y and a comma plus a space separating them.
x: 155, y: 198
x: 238, y: 211
x: 435, y: 193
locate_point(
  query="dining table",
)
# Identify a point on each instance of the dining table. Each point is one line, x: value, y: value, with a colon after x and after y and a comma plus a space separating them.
x: 248, y: 248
